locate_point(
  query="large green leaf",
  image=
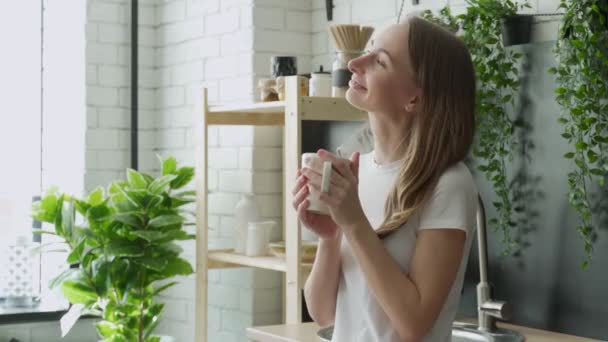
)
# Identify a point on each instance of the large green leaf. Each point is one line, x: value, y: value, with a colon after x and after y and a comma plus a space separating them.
x: 184, y: 176
x: 100, y: 271
x: 136, y: 180
x: 98, y: 213
x: 59, y: 217
x: 152, y: 318
x: 177, y: 266
x: 169, y: 166
x: 76, y: 253
x: 96, y: 196
x: 161, y: 184
x: 123, y: 248
x: 177, y: 234
x: 81, y: 206
x: 106, y: 329
x: 133, y: 219
x: 149, y: 235
x: 77, y: 291
x: 171, y: 248
x: 153, y: 263
x: 165, y: 220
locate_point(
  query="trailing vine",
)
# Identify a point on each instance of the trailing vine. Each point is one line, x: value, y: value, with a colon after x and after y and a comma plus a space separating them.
x: 582, y: 92
x: 497, y: 84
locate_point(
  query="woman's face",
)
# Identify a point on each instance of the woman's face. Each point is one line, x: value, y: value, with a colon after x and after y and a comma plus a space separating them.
x: 383, y: 80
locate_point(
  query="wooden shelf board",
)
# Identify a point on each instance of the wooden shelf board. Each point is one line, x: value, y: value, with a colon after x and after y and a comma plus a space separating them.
x: 330, y: 109
x: 225, y: 258
x: 256, y: 114
x: 273, y: 113
x: 246, y: 118
x: 258, y: 107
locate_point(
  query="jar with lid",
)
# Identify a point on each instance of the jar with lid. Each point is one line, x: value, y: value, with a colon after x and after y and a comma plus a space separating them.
x: 340, y: 75
x: 268, y: 90
x: 320, y: 83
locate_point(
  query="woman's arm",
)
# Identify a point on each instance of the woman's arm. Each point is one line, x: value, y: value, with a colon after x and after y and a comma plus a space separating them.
x: 411, y: 301
x: 321, y: 288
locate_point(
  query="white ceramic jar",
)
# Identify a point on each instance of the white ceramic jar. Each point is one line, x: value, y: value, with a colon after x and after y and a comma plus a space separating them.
x: 320, y: 83
x: 258, y: 236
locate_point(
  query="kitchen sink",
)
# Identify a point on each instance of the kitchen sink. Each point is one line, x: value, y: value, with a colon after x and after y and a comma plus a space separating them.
x: 461, y: 332
x: 464, y: 332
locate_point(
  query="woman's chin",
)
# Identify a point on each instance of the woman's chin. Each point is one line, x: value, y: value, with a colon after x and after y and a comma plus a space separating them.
x: 354, y: 98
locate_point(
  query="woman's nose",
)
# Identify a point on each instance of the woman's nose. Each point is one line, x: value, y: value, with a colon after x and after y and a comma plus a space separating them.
x: 355, y: 65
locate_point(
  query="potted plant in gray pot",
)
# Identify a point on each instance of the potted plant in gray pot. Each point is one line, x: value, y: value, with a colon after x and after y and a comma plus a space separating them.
x: 122, y: 249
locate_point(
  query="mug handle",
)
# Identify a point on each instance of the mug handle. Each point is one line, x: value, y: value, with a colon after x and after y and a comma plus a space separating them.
x: 326, y: 178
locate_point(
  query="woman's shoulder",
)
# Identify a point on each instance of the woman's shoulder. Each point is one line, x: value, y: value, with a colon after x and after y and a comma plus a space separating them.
x: 457, y: 177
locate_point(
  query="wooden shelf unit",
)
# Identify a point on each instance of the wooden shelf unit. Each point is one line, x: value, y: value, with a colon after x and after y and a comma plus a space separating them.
x: 288, y: 114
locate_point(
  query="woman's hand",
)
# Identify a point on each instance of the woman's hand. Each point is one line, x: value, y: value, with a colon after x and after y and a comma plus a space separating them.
x: 322, y: 225
x: 343, y: 195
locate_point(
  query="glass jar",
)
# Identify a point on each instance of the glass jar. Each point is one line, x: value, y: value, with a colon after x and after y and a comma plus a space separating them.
x: 280, y: 88
x: 21, y: 273
x: 340, y: 74
x: 268, y: 90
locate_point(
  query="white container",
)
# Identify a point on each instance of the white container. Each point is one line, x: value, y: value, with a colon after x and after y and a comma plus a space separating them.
x: 320, y: 84
x: 258, y: 236
x: 246, y: 211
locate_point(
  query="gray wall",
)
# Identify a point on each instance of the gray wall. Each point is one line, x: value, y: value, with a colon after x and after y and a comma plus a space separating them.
x: 545, y: 284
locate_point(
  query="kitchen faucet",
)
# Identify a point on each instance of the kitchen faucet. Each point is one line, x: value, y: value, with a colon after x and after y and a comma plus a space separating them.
x: 488, y: 310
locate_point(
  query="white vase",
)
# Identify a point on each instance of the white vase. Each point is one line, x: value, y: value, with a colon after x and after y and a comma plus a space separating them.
x: 245, y: 212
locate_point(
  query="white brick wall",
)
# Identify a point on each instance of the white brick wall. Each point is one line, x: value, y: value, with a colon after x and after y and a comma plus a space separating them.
x: 227, y: 54
x: 108, y: 87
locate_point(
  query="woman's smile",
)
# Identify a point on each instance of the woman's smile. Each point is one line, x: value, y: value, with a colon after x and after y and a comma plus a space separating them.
x: 353, y: 84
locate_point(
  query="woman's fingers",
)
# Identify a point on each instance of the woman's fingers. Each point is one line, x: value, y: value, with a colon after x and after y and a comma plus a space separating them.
x: 335, y: 179
x: 330, y: 198
x: 300, y: 181
x: 302, y: 213
x: 342, y: 166
x: 300, y: 196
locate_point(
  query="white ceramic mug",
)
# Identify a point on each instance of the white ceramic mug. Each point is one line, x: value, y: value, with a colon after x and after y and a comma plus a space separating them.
x: 315, y: 204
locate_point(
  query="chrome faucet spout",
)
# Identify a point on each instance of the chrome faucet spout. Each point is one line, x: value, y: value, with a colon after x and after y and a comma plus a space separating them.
x: 488, y: 310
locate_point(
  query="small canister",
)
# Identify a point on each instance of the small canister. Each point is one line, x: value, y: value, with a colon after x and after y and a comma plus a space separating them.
x: 320, y: 83
x: 283, y: 66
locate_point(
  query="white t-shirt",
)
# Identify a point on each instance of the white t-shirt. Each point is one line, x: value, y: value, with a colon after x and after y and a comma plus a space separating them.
x: 359, y: 317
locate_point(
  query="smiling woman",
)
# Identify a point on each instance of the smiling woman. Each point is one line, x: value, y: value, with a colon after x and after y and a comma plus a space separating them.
x: 393, y: 252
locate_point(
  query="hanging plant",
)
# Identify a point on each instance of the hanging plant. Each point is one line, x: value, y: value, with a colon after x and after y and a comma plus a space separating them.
x: 582, y: 92
x: 497, y: 84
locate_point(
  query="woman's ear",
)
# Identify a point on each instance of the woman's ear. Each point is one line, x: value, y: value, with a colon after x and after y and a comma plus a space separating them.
x: 411, y: 105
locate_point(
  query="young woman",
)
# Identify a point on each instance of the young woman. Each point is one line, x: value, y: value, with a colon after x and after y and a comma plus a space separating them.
x: 393, y: 253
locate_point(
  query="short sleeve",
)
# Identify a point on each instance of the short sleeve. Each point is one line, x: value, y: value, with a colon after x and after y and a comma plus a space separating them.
x: 453, y: 204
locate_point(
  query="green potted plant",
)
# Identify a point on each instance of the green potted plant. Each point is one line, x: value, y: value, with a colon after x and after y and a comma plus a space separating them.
x: 516, y: 29
x: 497, y: 74
x: 582, y: 92
x: 122, y: 249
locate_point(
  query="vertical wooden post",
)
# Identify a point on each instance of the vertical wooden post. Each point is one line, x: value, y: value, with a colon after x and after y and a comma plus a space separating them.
x: 291, y: 162
x: 201, y: 318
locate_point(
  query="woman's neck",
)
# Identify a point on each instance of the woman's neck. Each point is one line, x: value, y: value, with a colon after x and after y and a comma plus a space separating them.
x: 389, y: 138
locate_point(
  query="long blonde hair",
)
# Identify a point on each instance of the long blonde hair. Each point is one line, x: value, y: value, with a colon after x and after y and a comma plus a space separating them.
x: 442, y: 128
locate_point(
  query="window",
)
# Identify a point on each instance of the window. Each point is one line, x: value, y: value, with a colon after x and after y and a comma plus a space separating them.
x: 42, y: 125
x: 20, y: 149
